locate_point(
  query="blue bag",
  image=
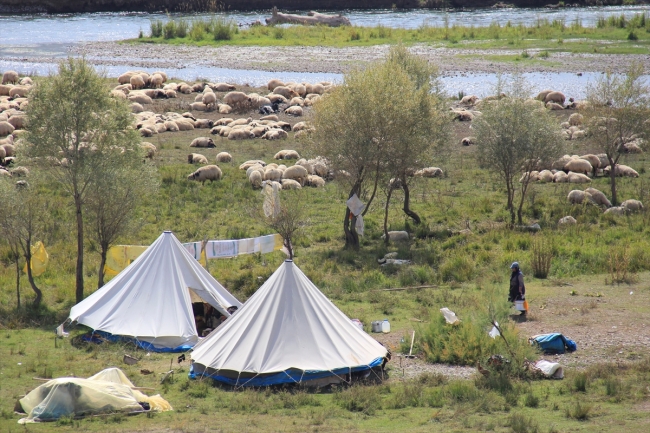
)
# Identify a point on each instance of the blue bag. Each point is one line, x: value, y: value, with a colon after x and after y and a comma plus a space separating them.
x: 553, y: 344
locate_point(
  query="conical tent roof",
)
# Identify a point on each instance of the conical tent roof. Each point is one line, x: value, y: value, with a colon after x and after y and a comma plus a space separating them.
x: 150, y: 300
x: 289, y: 327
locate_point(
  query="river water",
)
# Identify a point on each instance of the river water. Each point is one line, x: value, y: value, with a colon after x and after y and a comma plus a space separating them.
x: 50, y: 36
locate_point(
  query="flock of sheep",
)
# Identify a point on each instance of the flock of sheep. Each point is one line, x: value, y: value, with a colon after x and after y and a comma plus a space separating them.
x: 13, y: 101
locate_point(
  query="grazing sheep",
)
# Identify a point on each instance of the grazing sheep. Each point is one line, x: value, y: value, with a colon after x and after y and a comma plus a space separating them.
x: 556, y: 97
x: 576, y: 119
x: 198, y: 106
x: 3, y: 154
x: 541, y: 96
x: 5, y: 89
x: 577, y: 178
x: 209, y: 99
x: 275, y: 134
x: 285, y: 92
x: 578, y: 197
x: 616, y: 211
x: 137, y: 82
x: 567, y: 220
x: 10, y: 77
x: 156, y: 81
x: 149, y: 149
x: 315, y: 181
x: 9, y: 149
x: 300, y: 89
x: 300, y: 126
x: 631, y: 206
x: 578, y: 166
x: 468, y: 141
x: 286, y: 154
x: 294, y: 111
x: 593, y: 160
x: 240, y: 134
x: 224, y: 157
x: 429, y: 172
x: 18, y: 122
x: 20, y: 172
x: 6, y: 128
x: 545, y: 176
x: 598, y: 197
x: 255, y: 178
x: 273, y: 174
x: 208, y: 172
x: 396, y: 236
x: 290, y: 184
x: 162, y: 74
x: 273, y: 84
x: 297, y: 173
x: 621, y: 170
x: 577, y: 135
x: 19, y: 92
x: 202, y: 142
x: 469, y: 100
x: 197, y: 158
x: 532, y: 176
x: 236, y: 99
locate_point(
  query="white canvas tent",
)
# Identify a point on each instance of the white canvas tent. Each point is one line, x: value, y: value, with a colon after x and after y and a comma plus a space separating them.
x: 287, y: 332
x: 151, y: 300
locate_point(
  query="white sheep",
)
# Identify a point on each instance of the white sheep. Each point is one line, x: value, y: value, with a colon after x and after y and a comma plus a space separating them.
x: 272, y: 174
x: 396, y: 236
x: 286, y: 154
x: 275, y: 134
x: 290, y: 184
x: 598, y: 197
x: 202, y: 142
x: 197, y: 158
x: 567, y: 220
x: 621, y: 170
x: 240, y: 134
x: 578, y: 197
x: 315, y: 181
x: 616, y: 211
x: 578, y: 166
x: 247, y: 164
x: 224, y: 157
x: 545, y: 176
x: 297, y: 173
x: 208, y: 172
x: 560, y: 177
x: 10, y: 77
x: 149, y: 149
x: 255, y: 178
x: 294, y: 111
x: 273, y: 84
x: 577, y: 178
x: 6, y: 128
x: 632, y: 206
x: 209, y: 99
x: 429, y: 172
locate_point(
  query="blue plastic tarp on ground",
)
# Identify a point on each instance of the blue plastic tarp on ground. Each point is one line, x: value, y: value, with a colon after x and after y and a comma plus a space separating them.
x: 554, y: 343
x: 287, y: 376
x: 99, y: 337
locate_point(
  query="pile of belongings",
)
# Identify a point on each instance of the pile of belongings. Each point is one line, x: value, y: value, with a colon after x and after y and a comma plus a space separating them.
x: 553, y: 344
x: 106, y: 392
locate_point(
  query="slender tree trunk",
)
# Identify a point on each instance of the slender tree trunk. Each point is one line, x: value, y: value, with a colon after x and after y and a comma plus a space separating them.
x: 511, y: 198
x: 407, y: 203
x: 30, y: 278
x: 102, y: 263
x: 524, y: 188
x: 612, y: 182
x: 388, y: 196
x: 289, y: 247
x: 17, y: 257
x: 372, y: 196
x: 349, y: 224
x: 80, y: 253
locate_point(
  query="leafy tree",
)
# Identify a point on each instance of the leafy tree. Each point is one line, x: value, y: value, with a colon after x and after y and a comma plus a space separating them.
x: 618, y: 109
x: 112, y: 202
x: 513, y: 135
x: 23, y: 217
x: 78, y: 134
x: 370, y: 120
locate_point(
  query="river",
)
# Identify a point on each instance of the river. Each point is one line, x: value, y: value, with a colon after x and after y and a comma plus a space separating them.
x: 49, y: 37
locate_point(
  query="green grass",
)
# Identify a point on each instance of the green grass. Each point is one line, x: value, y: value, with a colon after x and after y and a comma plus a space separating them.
x: 631, y: 37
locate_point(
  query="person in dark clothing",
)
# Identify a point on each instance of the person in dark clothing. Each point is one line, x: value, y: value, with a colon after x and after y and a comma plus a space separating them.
x: 517, y: 287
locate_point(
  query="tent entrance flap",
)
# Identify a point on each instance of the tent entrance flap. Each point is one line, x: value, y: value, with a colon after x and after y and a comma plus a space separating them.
x: 194, y: 297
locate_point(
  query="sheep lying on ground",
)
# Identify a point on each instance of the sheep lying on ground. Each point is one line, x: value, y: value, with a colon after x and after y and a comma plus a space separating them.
x: 621, y: 170
x: 287, y: 154
x: 202, y: 142
x: 196, y: 158
x: 429, y: 172
x: 208, y: 172
x: 567, y: 220
x: 396, y: 236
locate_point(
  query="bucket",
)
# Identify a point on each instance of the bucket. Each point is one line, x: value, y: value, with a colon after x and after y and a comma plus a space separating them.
x: 519, y: 306
x: 376, y: 325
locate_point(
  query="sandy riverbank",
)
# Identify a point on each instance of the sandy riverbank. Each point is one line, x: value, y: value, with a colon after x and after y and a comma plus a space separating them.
x: 340, y: 60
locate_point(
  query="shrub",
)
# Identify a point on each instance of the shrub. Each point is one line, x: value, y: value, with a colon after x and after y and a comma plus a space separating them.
x: 223, y: 29
x: 531, y: 400
x: 278, y: 32
x: 520, y: 423
x: 365, y: 399
x: 463, y: 391
x: 580, y: 382
x: 156, y: 28
x: 578, y: 411
x: 632, y: 36
x: 542, y: 254
x: 181, y: 29
x: 169, y: 30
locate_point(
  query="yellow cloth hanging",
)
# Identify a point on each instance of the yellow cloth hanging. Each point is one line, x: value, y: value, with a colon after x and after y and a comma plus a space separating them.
x: 203, y: 260
x: 119, y: 257
x: 40, y: 259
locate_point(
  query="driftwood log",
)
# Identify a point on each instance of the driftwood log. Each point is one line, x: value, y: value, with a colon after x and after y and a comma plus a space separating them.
x: 311, y: 19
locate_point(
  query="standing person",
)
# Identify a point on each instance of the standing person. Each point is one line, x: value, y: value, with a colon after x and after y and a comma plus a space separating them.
x: 517, y: 287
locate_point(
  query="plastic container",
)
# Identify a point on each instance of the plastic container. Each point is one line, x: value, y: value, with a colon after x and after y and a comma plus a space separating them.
x: 358, y: 323
x: 519, y: 306
x: 385, y: 326
x: 376, y: 325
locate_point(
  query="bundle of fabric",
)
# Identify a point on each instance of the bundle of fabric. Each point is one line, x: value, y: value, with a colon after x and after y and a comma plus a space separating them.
x: 553, y: 344
x: 107, y: 391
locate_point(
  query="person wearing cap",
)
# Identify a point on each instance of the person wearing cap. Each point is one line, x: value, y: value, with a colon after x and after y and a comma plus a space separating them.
x: 517, y: 287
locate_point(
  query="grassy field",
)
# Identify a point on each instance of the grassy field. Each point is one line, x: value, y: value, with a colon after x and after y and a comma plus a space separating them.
x: 467, y: 270
x: 616, y: 35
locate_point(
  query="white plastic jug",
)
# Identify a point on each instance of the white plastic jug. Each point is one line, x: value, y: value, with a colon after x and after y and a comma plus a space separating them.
x: 385, y: 326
